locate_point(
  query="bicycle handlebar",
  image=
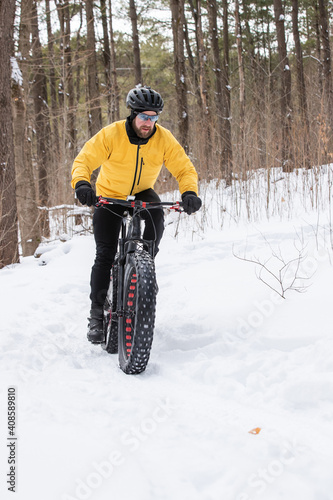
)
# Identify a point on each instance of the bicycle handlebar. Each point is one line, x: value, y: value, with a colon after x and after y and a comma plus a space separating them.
x: 173, y: 205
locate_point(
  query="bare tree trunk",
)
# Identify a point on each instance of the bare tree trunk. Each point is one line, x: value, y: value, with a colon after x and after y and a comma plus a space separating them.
x: 318, y: 45
x: 205, y: 121
x: 28, y: 215
x: 68, y: 111
x: 78, y: 55
x: 226, y: 100
x: 27, y: 207
x: 202, y: 58
x: 53, y: 85
x: 115, y: 89
x: 285, y: 100
x: 327, y: 64
x: 69, y: 89
x: 193, y: 71
x: 136, y: 45
x: 241, y: 86
x: 8, y: 213
x: 42, y: 123
x: 106, y: 59
x: 212, y: 15
x: 251, y: 50
x: 194, y: 63
x: 299, y: 67
x: 95, y: 114
x: 305, y: 132
x: 177, y: 12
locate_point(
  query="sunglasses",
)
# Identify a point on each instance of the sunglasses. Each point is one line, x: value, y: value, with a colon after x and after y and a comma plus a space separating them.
x: 145, y: 117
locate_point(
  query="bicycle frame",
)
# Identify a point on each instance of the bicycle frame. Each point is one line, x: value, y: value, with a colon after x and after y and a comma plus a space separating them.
x: 130, y: 235
x: 132, y: 231
x: 131, y: 247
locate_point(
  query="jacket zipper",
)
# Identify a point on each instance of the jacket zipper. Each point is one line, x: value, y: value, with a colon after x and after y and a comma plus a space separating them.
x: 136, y: 169
x: 141, y: 164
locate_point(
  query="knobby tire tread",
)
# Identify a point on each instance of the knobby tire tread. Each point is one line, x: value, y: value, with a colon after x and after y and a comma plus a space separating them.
x: 139, y: 317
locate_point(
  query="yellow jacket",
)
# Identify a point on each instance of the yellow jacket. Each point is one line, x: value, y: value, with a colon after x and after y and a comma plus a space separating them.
x: 126, y: 168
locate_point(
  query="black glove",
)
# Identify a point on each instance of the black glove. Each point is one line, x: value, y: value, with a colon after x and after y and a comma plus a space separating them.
x: 191, y: 202
x: 85, y: 193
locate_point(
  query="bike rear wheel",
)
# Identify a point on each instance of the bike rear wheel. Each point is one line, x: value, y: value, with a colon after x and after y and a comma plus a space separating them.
x: 136, y: 326
x: 110, y: 319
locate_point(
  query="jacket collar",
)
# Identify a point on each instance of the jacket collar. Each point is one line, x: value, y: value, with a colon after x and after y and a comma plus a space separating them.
x: 133, y: 138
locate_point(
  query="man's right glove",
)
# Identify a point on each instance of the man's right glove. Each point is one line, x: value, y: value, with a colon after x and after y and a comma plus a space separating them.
x: 85, y: 193
x: 191, y: 202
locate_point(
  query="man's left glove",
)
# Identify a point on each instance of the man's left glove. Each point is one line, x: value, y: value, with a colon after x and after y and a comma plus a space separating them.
x: 191, y: 202
x: 85, y: 193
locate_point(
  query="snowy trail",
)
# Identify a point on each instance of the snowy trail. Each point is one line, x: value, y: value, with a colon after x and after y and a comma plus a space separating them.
x: 228, y: 356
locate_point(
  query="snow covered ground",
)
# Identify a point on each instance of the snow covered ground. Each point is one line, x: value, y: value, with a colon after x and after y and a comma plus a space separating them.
x: 229, y: 356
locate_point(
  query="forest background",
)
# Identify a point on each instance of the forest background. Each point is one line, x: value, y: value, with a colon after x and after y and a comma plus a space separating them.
x: 247, y: 86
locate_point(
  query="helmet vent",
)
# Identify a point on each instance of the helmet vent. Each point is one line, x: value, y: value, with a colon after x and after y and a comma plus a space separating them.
x: 144, y: 99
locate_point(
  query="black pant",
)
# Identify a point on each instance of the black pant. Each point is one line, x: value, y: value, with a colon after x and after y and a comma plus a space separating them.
x: 107, y: 223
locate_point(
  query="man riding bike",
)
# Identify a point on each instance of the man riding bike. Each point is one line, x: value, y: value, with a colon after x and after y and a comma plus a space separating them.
x: 130, y: 153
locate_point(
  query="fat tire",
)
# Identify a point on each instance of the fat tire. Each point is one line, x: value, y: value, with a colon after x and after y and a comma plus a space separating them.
x: 137, y: 329
x: 110, y: 320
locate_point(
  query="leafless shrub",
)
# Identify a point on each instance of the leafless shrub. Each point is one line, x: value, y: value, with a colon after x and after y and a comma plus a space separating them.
x: 278, y: 273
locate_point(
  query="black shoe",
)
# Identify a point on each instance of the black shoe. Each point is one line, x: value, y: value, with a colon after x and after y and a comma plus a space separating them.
x: 95, y: 333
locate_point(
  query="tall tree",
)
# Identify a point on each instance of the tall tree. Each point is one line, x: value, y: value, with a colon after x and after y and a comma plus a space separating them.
x: 28, y: 214
x: 327, y: 63
x: 94, y: 108
x: 204, y: 123
x: 217, y: 68
x: 54, y: 111
x: 226, y: 99
x: 241, y: 84
x: 78, y: 54
x: 301, y: 90
x: 193, y: 74
x: 67, y: 99
x: 42, y: 122
x: 8, y: 212
x: 69, y: 86
x: 106, y: 58
x: 136, y: 46
x: 177, y: 19
x: 318, y: 44
x: 250, y: 46
x: 285, y: 97
x: 299, y: 65
x: 115, y: 89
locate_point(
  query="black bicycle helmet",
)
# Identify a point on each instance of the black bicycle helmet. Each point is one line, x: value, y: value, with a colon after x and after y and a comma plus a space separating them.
x: 144, y: 99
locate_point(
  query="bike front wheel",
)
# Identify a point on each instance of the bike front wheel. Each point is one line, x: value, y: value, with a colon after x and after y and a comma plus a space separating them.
x: 136, y: 326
